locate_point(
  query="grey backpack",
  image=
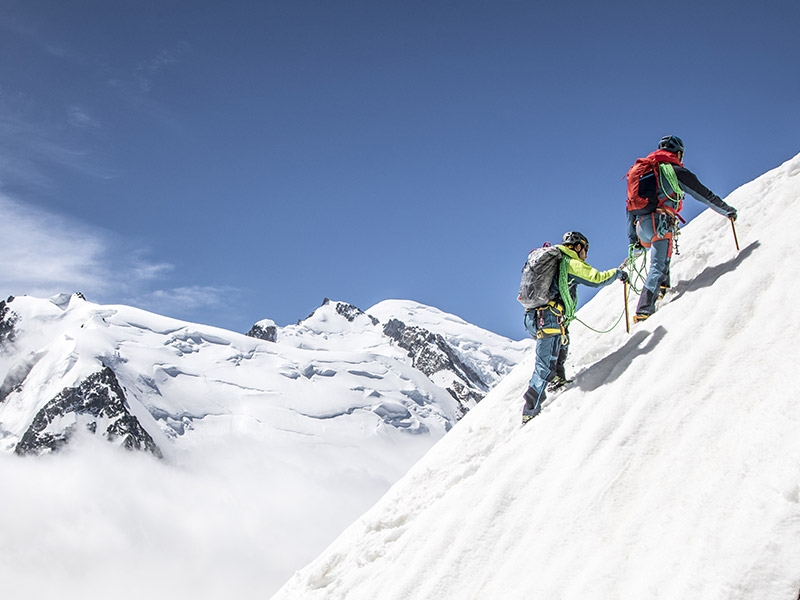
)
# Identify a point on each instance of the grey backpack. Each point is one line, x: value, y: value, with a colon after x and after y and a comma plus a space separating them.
x: 537, y: 276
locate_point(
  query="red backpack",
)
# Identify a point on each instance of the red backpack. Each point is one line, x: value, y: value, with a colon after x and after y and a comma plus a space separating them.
x: 643, y: 166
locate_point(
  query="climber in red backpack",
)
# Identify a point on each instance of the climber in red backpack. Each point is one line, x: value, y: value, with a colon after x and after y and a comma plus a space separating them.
x: 657, y: 184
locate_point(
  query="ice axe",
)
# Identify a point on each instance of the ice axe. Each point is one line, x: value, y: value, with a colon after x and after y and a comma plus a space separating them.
x: 735, y: 239
x: 627, y: 320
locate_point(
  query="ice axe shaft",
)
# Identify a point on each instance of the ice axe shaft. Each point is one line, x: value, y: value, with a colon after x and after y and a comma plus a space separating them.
x: 627, y: 320
x: 735, y: 239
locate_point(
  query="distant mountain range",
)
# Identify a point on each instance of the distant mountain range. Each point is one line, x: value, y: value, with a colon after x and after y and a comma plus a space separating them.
x: 147, y: 382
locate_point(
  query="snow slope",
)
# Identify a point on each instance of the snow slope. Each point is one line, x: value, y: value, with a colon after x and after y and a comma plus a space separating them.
x: 670, y: 469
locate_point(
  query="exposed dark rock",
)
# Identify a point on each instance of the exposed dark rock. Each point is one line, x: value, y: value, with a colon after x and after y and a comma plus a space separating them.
x: 268, y: 333
x: 8, y: 318
x: 99, y: 399
x: 465, y: 396
x: 350, y: 312
x: 430, y: 353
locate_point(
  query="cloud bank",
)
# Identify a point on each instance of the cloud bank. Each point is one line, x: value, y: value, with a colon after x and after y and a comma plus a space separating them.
x: 46, y: 254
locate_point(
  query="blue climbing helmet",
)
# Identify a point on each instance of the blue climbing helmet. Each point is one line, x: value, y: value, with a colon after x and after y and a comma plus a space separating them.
x: 671, y: 143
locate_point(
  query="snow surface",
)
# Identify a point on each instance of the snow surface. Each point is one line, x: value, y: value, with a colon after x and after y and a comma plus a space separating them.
x: 271, y: 449
x: 670, y: 469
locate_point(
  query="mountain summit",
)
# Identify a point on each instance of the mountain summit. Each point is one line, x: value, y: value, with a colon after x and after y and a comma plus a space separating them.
x: 670, y: 469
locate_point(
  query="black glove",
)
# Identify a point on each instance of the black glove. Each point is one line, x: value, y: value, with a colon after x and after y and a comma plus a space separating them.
x: 732, y: 214
x: 622, y: 275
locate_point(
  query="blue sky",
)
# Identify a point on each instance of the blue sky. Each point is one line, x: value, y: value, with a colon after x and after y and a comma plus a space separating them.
x: 228, y: 162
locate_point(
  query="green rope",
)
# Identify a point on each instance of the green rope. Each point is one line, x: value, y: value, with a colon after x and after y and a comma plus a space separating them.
x: 622, y: 314
x: 639, y: 270
x: 668, y: 172
x: 570, y: 303
x: 637, y: 274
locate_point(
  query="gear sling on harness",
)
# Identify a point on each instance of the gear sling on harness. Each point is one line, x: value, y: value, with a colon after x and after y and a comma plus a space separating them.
x: 542, y: 331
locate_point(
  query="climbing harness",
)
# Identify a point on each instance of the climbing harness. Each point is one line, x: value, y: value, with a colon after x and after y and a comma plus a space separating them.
x: 542, y: 331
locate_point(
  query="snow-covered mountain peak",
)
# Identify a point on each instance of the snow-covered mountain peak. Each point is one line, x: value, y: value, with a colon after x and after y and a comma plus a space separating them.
x: 334, y: 324
x: 332, y: 316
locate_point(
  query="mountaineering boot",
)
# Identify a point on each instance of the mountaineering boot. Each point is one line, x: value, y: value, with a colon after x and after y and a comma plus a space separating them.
x: 646, y: 306
x: 558, y: 383
x: 533, y: 404
x: 639, y: 318
x: 662, y: 290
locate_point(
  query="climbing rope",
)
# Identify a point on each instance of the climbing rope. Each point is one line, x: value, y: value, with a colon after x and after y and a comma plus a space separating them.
x: 668, y: 172
x: 635, y: 265
x: 637, y: 273
x: 570, y: 304
x: 609, y: 330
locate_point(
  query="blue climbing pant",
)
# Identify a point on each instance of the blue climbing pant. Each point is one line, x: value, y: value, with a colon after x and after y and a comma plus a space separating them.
x: 655, y: 232
x: 546, y: 325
